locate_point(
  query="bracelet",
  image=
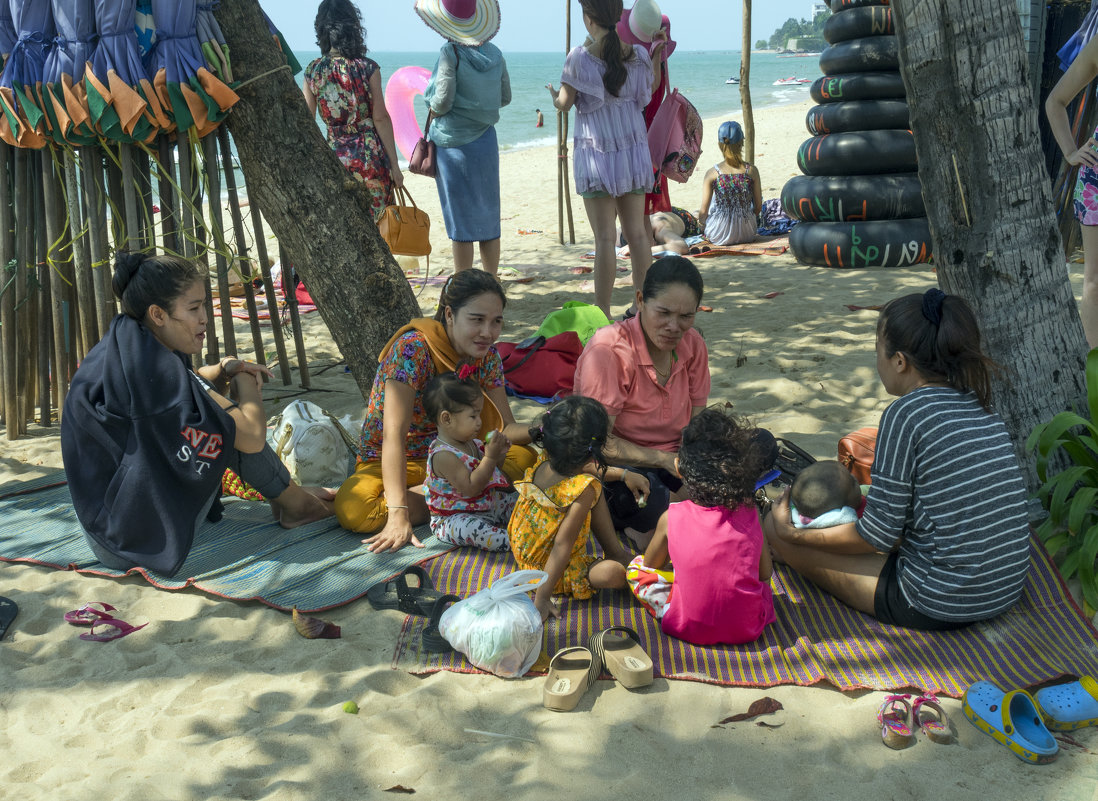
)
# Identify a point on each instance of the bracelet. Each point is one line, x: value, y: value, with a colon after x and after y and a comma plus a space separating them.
x: 394, y: 506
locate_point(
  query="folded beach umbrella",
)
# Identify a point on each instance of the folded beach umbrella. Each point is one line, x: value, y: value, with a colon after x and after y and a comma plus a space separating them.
x: 7, y: 32
x: 213, y: 43
x: 283, y: 45
x: 121, y: 99
x: 21, y: 81
x: 64, y: 95
x: 191, y: 95
x: 145, y: 27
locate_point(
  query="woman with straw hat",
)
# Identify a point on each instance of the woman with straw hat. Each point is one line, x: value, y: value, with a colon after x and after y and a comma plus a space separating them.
x: 467, y: 88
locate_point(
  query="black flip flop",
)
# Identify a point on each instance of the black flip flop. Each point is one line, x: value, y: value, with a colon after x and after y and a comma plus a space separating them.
x: 396, y: 593
x: 433, y: 641
x: 9, y: 610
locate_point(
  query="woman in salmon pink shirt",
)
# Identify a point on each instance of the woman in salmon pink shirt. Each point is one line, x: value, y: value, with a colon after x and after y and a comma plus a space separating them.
x: 651, y: 372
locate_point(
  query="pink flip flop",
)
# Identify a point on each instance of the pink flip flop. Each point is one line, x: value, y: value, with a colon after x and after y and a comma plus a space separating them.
x: 110, y: 629
x: 89, y: 614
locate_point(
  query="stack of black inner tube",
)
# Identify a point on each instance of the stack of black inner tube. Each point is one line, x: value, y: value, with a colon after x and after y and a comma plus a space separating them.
x: 859, y: 202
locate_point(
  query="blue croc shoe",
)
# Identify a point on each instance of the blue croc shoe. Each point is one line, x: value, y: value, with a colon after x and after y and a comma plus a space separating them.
x: 1011, y: 719
x: 1066, y: 707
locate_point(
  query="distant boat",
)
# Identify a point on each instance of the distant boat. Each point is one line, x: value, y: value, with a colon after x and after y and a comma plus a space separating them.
x: 733, y: 79
x: 792, y: 80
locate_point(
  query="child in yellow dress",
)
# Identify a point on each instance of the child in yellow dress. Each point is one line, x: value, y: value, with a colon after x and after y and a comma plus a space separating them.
x: 560, y: 504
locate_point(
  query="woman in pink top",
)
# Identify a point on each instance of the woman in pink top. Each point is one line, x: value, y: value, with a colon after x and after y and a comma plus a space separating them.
x: 715, y: 589
x: 651, y: 372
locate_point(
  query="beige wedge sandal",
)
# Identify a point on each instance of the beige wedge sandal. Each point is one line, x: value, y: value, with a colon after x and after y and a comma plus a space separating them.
x: 571, y: 672
x: 623, y: 656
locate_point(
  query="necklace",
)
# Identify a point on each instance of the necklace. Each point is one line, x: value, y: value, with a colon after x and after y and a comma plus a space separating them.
x: 661, y: 373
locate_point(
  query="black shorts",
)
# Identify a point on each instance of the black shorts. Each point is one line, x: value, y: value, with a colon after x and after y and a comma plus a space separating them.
x: 890, y: 606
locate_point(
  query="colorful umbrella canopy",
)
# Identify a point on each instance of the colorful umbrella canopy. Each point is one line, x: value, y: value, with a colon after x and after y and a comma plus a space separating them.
x: 123, y: 105
x: 283, y: 45
x: 214, y: 46
x: 21, y: 81
x: 64, y: 95
x: 190, y: 94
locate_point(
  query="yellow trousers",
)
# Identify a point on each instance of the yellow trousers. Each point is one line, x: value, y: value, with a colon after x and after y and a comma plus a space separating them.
x: 360, y: 503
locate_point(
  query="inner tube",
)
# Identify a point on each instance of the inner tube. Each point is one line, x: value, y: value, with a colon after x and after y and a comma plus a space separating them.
x: 867, y: 54
x: 858, y: 153
x: 842, y: 5
x: 879, y: 243
x: 849, y: 198
x: 858, y: 86
x: 400, y: 94
x: 858, y: 22
x: 857, y: 115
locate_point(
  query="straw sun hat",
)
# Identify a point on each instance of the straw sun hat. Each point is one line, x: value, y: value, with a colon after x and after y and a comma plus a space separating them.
x: 467, y: 22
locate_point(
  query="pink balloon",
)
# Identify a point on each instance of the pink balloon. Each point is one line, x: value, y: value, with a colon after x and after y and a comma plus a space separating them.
x: 400, y: 96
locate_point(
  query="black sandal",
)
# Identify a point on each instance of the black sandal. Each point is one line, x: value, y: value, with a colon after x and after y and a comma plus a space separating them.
x: 433, y: 641
x: 396, y: 593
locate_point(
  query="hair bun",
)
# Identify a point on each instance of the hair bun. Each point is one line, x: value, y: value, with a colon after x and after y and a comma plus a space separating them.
x: 126, y: 265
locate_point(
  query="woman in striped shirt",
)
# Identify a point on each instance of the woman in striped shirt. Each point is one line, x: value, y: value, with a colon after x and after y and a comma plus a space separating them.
x: 943, y: 539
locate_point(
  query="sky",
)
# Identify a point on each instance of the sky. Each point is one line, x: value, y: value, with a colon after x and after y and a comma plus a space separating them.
x: 538, y: 25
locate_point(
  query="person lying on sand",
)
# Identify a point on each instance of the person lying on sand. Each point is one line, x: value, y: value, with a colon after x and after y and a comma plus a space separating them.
x: 669, y: 231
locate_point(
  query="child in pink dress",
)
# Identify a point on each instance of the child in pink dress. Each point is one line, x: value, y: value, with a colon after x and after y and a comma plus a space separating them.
x: 466, y: 491
x: 717, y: 590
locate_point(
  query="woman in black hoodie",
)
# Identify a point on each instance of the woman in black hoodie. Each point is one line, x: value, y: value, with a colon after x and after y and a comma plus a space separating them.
x: 145, y: 438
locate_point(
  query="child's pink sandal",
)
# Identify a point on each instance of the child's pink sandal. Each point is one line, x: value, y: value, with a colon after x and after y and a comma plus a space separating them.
x: 932, y: 719
x: 895, y: 719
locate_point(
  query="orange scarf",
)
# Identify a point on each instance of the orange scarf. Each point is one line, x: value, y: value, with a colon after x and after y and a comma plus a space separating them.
x: 446, y: 358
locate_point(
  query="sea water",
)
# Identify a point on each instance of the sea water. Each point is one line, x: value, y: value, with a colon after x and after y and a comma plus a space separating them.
x: 700, y: 75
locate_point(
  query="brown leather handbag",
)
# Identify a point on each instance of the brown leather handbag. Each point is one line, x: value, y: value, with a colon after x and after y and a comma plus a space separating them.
x: 405, y: 227
x: 856, y: 452
x: 422, y: 161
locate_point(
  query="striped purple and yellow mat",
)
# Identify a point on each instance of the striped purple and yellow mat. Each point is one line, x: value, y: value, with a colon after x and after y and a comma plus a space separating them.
x: 815, y: 638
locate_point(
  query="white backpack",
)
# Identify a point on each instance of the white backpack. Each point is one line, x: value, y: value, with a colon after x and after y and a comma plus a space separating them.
x: 313, y: 444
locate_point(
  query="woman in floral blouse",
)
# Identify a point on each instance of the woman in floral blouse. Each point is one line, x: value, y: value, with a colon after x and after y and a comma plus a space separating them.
x: 378, y: 498
x: 346, y: 86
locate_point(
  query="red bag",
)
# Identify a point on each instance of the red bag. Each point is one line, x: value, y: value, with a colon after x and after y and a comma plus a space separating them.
x: 545, y: 367
x: 856, y: 452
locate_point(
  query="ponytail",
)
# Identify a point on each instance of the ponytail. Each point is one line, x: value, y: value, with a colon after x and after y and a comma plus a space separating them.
x: 939, y: 334
x: 605, y: 14
x: 573, y: 433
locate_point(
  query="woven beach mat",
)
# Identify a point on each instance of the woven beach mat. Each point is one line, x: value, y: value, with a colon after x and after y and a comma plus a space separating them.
x: 763, y: 246
x: 247, y: 556
x: 815, y: 638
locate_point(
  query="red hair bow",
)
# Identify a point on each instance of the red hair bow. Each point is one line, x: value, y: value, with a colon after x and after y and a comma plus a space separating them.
x: 465, y: 371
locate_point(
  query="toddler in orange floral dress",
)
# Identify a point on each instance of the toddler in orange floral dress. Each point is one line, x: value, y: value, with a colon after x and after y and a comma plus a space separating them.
x: 561, y: 504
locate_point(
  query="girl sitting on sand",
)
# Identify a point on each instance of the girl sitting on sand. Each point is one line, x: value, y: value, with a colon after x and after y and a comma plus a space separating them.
x: 560, y: 504
x: 464, y: 486
x: 942, y: 541
x: 146, y: 438
x: 731, y: 192
x: 717, y: 590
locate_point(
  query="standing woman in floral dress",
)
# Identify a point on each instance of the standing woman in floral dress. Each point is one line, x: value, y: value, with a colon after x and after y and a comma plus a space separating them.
x: 346, y: 86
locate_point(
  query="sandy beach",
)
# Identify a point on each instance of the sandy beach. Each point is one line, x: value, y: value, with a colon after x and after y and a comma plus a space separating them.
x: 218, y: 699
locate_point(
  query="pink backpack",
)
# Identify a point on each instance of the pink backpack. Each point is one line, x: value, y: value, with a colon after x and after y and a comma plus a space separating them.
x: 675, y: 137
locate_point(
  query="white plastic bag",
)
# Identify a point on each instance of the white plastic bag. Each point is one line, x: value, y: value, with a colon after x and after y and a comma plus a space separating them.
x: 314, y: 446
x: 498, y: 629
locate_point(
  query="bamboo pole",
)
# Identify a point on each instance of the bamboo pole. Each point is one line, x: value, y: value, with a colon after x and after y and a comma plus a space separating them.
x: 213, y: 203
x: 95, y: 209
x: 248, y: 275
x: 113, y: 191
x: 39, y: 359
x: 23, y: 249
x: 7, y: 294
x: 169, y: 214
x: 290, y: 290
x: 272, y: 297
x: 745, y: 87
x: 85, y: 294
x: 129, y: 198
x: 146, y: 218
x: 564, y: 181
x: 56, y: 261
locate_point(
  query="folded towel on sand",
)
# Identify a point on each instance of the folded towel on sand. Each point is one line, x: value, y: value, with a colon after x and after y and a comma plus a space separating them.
x: 815, y: 638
